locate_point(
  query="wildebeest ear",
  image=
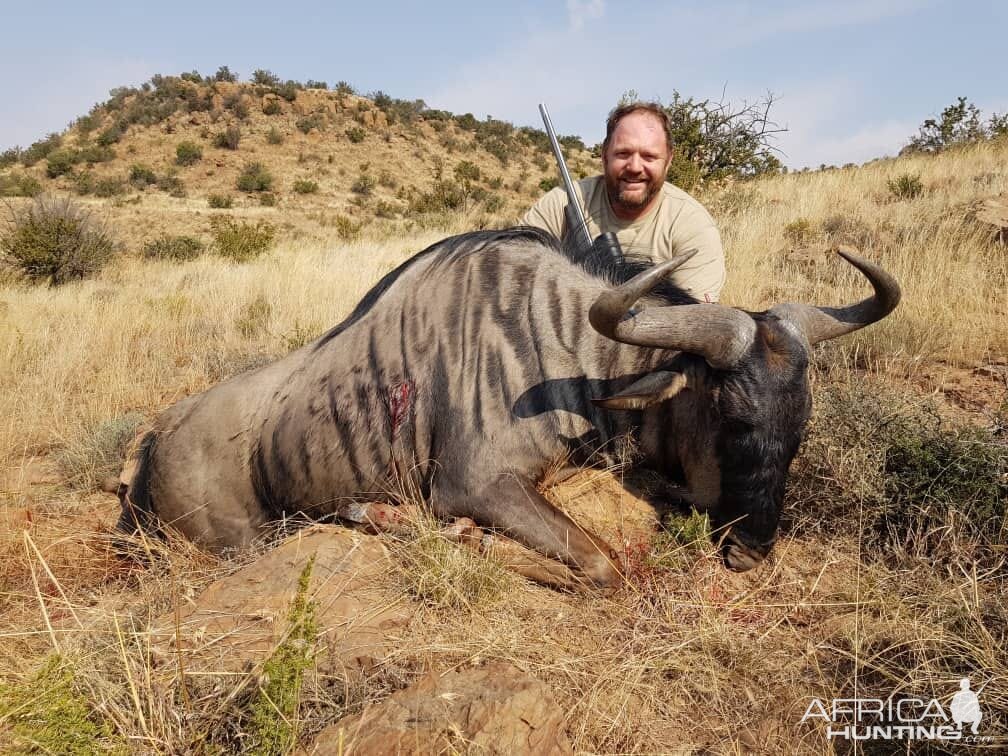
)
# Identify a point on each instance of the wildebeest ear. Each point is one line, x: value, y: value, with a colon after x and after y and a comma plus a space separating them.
x: 651, y: 389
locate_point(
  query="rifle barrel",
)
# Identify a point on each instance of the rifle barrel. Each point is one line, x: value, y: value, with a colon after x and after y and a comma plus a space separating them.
x: 572, y: 199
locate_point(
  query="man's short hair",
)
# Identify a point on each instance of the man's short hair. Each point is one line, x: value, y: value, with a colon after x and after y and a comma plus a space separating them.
x: 626, y: 108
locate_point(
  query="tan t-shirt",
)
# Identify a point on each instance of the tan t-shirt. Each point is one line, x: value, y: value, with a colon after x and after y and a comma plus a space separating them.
x: 677, y: 223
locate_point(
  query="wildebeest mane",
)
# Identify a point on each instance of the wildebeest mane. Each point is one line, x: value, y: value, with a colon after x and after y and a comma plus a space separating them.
x: 609, y: 270
x: 475, y: 241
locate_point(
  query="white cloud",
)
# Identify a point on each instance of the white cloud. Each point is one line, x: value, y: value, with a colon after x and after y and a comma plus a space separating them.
x: 579, y: 11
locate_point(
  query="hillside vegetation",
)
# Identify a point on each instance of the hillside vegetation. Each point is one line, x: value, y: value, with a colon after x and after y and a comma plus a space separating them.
x: 889, y: 576
x: 163, y: 157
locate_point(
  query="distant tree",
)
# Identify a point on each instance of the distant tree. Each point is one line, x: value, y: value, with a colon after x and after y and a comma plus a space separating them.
x: 716, y: 140
x: 224, y: 74
x: 958, y: 124
x: 265, y: 78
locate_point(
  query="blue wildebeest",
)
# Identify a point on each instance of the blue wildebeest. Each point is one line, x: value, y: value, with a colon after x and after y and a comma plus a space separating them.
x: 471, y: 369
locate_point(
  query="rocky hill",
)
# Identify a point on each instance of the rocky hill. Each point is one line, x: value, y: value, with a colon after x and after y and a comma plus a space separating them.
x: 166, y: 155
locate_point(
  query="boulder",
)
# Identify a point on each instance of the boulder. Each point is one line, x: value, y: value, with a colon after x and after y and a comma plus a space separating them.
x: 237, y: 621
x: 496, y: 709
x: 312, y: 101
x: 374, y: 119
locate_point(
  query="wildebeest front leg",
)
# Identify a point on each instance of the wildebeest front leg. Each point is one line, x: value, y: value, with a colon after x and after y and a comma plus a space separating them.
x: 515, y: 508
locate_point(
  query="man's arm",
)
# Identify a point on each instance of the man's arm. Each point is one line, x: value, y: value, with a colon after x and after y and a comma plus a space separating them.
x: 704, y: 275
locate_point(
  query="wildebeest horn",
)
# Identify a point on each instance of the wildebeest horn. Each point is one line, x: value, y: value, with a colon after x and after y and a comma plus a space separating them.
x: 822, y: 323
x: 721, y: 335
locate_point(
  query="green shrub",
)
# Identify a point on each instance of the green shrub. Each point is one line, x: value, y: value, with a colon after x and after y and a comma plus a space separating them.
x: 255, y: 178
x: 549, y: 183
x: 268, y: 199
x: 229, y: 138
x: 254, y: 318
x: 60, y: 162
x: 906, y: 186
x: 493, y: 203
x: 236, y: 104
x: 304, y: 186
x: 715, y: 140
x: 959, y: 124
x: 84, y: 183
x: 274, y: 706
x: 467, y: 171
x: 363, y: 185
x: 187, y: 153
x: 224, y: 74
x: 220, y: 201
x: 93, y: 453
x: 272, y: 107
x: 442, y: 197
x: 50, y: 713
x: 274, y: 136
x: 314, y: 121
x: 799, y: 231
x: 41, y: 149
x: 56, y: 240
x: 920, y: 483
x: 173, y: 185
x: 356, y: 134
x: 169, y: 247
x: 241, y: 241
x: 265, y: 78
x: 142, y: 176
x: 111, y: 135
x: 10, y: 156
x: 288, y: 90
x: 499, y: 148
x: 95, y: 153
x: 19, y: 185
x: 109, y: 186
x: 344, y: 88
x: 346, y: 229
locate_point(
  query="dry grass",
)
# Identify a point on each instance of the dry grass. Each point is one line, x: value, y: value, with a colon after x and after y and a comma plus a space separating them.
x: 954, y: 278
x: 685, y: 654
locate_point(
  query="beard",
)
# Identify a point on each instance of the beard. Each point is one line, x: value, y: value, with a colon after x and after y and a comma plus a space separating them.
x: 632, y: 199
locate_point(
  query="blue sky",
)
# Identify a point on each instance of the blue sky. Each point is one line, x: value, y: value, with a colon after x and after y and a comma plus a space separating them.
x: 853, y: 79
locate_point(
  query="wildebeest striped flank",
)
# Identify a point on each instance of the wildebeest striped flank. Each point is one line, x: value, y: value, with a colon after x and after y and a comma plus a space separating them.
x: 471, y: 369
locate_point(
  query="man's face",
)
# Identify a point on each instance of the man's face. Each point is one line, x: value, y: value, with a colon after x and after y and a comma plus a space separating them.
x: 635, y: 162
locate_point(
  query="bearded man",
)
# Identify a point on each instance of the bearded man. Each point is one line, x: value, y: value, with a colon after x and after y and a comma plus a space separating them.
x: 650, y: 217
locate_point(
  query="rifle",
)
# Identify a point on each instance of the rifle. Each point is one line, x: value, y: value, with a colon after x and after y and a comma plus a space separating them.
x: 606, y: 246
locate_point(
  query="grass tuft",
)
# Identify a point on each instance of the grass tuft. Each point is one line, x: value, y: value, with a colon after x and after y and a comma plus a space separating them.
x: 95, y: 452
x: 49, y: 713
x: 446, y: 575
x: 274, y: 724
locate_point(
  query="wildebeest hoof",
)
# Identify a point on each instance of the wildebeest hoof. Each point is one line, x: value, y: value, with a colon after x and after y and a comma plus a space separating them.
x: 602, y: 572
x: 465, y: 531
x: 377, y: 517
x: 741, y: 558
